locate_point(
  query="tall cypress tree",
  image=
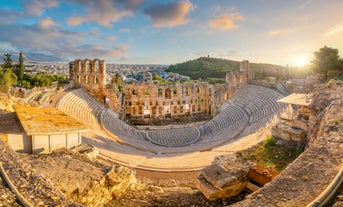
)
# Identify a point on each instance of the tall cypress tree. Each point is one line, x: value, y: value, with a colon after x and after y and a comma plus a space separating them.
x: 21, y: 66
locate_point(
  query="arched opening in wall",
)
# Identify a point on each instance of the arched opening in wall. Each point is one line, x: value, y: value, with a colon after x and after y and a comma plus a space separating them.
x: 175, y: 109
x: 186, y: 107
x: 227, y: 96
x: 134, y: 91
x: 96, y: 67
x: 187, y: 91
x: 174, y: 91
x: 95, y: 80
x: 146, y: 112
x: 168, y: 93
x: 140, y: 110
x: 86, y: 79
x: 128, y: 111
x: 234, y: 79
x: 78, y: 66
x: 147, y: 92
x: 181, y: 109
x: 160, y: 109
x: 159, y: 92
x: 209, y: 109
x: 199, y: 107
x: 209, y: 92
x: 241, y: 78
x: 78, y: 79
x: 153, y: 110
x: 193, y: 108
x: 198, y: 89
x: 86, y: 66
x: 134, y: 110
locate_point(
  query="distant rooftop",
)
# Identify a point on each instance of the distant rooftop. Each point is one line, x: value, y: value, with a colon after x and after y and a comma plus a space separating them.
x: 299, y: 99
x: 47, y: 121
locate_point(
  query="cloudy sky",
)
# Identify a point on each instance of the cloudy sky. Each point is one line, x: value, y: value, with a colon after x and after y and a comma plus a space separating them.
x: 172, y: 31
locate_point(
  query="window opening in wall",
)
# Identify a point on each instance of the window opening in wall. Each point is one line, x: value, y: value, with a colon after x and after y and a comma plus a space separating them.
x: 147, y: 92
x: 160, y: 92
x: 86, y: 79
x: 134, y: 92
x: 87, y: 66
x: 95, y: 81
x: 187, y: 91
x: 168, y: 93
x: 96, y: 69
x: 175, y: 91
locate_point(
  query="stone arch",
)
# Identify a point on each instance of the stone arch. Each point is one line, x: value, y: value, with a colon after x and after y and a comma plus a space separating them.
x: 134, y: 91
x: 86, y: 66
x: 160, y: 92
x: 148, y: 76
x: 96, y: 65
x: 187, y: 91
x: 168, y: 93
x: 153, y: 110
x: 175, y: 110
x: 86, y: 79
x: 234, y: 79
x: 95, y: 80
x: 181, y: 109
x: 160, y: 110
x: 134, y: 110
x: 78, y: 66
x: 175, y: 91
x: 193, y: 108
x: 140, y: 109
x: 128, y: 111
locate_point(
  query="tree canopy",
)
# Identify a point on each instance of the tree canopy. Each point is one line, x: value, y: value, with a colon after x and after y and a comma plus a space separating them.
x: 325, y: 59
x: 7, y: 61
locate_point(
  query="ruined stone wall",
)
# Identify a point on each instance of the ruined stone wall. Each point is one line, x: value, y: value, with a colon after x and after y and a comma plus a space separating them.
x: 146, y: 100
x: 90, y: 75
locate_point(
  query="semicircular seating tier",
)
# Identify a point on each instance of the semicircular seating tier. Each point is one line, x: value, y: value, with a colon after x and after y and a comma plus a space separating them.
x: 260, y: 103
x: 173, y: 137
x: 82, y: 106
x: 251, y: 108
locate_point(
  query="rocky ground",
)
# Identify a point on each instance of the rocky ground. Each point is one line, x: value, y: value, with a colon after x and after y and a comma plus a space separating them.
x: 7, y: 198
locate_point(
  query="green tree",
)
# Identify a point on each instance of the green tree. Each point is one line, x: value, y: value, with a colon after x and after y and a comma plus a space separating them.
x: 117, y: 79
x: 7, y: 79
x: 21, y: 66
x: 7, y: 61
x: 325, y: 59
x: 157, y: 77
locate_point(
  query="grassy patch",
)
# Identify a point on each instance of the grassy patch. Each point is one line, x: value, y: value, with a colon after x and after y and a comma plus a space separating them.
x: 269, y: 154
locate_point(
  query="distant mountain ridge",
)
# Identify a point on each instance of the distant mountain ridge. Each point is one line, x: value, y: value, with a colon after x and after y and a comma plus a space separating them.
x: 206, y: 67
x: 38, y: 57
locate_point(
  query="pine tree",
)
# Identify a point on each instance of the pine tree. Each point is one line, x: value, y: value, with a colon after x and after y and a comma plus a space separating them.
x: 7, y: 61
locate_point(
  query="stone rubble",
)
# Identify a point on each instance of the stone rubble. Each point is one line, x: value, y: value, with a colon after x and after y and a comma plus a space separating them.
x: 226, y: 177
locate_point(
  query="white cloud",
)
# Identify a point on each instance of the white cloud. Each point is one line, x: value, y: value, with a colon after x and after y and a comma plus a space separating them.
x: 224, y: 22
x: 337, y: 29
x: 283, y: 31
x: 37, y: 7
x: 104, y: 12
x: 170, y: 14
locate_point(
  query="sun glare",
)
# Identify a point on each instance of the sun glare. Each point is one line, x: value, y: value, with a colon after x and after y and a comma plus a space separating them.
x: 301, y: 60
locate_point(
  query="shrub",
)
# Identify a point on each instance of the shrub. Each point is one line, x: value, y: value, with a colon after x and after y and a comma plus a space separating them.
x: 270, y: 141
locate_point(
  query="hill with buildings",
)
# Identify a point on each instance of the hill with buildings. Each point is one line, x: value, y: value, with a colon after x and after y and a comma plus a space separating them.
x: 206, y: 67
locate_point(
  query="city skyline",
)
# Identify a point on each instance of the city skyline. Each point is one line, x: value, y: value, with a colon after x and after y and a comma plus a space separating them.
x: 169, y: 32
